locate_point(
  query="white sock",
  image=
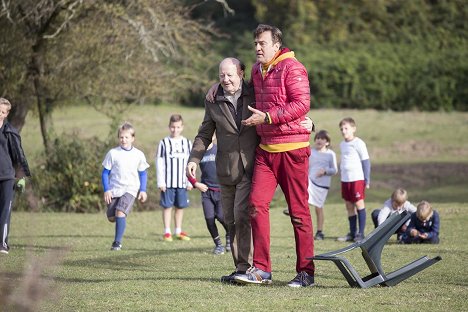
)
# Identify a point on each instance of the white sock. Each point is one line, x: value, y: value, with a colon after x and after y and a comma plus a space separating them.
x: 178, y: 231
x: 167, y: 230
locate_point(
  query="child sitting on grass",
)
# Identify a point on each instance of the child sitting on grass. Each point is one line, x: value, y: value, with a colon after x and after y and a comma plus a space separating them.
x: 423, y: 227
x: 397, y: 203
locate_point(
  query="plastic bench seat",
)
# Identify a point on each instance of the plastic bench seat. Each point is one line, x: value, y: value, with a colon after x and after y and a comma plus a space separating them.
x: 371, y: 248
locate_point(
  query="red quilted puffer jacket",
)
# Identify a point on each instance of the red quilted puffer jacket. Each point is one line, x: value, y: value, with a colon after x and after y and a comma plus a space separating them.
x: 285, y: 94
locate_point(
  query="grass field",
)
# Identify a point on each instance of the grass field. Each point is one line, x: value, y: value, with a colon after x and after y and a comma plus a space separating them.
x: 149, y: 274
x: 424, y: 152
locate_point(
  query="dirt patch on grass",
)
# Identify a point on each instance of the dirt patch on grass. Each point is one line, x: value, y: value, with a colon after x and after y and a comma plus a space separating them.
x: 417, y: 148
x: 419, y: 175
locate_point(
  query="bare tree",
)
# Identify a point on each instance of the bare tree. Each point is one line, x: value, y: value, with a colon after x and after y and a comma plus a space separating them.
x: 106, y: 52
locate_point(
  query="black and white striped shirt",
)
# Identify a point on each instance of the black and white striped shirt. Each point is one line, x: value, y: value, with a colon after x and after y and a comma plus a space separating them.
x: 171, y: 160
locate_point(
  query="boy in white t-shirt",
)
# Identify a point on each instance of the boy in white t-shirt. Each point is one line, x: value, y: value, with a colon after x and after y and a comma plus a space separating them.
x: 355, y: 178
x: 397, y: 203
x: 124, y: 178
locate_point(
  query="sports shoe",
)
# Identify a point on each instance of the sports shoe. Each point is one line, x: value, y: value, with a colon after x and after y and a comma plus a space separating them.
x: 229, y: 279
x: 254, y: 276
x: 167, y: 237
x: 347, y: 238
x: 286, y: 211
x: 183, y: 236
x: 302, y: 279
x: 319, y: 236
x: 116, y: 246
x: 218, y: 250
x: 359, y: 237
x: 4, y: 250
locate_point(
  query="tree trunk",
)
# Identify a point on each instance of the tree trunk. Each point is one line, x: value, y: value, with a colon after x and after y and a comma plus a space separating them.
x: 20, y: 108
x: 44, y: 103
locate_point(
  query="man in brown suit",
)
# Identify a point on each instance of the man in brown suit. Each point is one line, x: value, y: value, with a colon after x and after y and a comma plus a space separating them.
x: 234, y: 159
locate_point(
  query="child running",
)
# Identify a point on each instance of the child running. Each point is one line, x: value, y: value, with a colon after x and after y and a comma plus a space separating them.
x: 211, y: 197
x: 124, y: 178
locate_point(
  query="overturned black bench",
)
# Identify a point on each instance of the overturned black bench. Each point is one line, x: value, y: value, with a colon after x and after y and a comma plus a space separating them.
x: 371, y: 247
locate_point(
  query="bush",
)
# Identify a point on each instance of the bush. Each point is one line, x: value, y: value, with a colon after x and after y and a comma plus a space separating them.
x: 69, y: 179
x: 388, y: 76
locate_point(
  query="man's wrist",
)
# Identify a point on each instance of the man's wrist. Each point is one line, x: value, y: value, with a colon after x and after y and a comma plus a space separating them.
x: 267, y: 119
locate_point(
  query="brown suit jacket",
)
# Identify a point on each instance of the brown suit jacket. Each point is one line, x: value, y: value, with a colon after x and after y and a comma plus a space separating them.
x: 236, y: 147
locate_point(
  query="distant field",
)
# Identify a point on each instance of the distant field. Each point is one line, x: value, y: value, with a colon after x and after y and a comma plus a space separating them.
x: 425, y: 152
x: 408, y: 137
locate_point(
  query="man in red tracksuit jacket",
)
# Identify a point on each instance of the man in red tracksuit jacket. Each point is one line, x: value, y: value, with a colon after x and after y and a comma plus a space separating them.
x: 282, y: 97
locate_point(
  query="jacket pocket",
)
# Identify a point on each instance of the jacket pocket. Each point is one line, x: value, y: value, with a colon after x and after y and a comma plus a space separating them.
x: 223, y: 164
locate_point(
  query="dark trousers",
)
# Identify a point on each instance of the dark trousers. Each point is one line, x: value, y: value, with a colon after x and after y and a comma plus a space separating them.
x: 235, y: 202
x: 7, y: 192
x: 407, y: 239
x: 375, y: 217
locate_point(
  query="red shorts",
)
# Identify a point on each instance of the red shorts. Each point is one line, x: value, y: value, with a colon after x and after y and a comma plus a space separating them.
x: 353, y: 191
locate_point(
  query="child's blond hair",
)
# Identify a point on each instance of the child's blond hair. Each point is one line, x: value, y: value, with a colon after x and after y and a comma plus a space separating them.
x: 5, y: 102
x: 126, y: 126
x: 424, y: 211
x: 399, y: 196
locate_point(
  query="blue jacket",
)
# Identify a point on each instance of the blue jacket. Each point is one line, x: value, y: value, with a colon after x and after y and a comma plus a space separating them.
x: 430, y: 227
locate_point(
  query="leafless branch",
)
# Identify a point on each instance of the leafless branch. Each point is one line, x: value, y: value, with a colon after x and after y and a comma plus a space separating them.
x: 5, y: 10
x: 226, y: 6
x: 71, y: 8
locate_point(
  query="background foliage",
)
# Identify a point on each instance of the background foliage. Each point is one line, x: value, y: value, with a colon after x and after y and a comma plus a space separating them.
x: 386, y: 54
x: 389, y: 55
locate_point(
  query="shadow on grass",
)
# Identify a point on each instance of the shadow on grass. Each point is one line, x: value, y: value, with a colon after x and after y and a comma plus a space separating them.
x: 127, y: 259
x: 62, y: 236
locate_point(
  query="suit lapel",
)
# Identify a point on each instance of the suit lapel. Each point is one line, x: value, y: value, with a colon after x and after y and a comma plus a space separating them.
x: 245, y: 110
x: 221, y: 100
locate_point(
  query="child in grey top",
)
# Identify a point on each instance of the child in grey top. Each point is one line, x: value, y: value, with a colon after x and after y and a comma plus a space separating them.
x: 322, y: 166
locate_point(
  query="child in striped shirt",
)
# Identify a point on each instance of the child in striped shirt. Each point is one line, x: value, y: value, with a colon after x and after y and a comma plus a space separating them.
x: 171, y: 161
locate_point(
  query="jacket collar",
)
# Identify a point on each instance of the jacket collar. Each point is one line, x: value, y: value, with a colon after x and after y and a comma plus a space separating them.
x: 246, y: 90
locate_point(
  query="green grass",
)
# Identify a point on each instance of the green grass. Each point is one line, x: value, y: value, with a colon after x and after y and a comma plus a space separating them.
x: 426, y: 153
x: 152, y: 275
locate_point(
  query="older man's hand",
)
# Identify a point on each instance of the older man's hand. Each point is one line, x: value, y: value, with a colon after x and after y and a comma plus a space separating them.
x: 191, y: 170
x: 211, y: 94
x: 257, y: 118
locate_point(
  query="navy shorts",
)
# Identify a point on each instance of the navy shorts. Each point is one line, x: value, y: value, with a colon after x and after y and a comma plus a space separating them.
x: 174, y: 197
x: 211, y: 202
x: 123, y: 203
